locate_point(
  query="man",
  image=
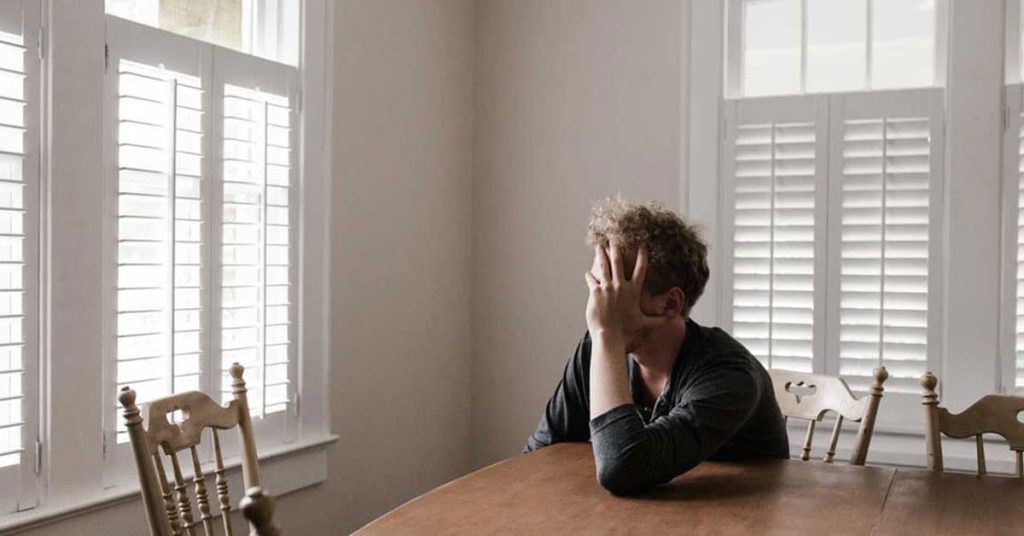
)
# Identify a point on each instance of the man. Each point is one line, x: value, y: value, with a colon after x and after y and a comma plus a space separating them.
x: 653, y: 391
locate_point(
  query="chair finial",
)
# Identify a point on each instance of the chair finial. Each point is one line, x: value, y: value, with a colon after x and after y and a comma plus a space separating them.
x: 880, y: 374
x: 929, y: 382
x: 237, y: 383
x: 127, y: 397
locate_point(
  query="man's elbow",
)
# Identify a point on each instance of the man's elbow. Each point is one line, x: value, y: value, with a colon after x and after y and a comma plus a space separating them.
x: 622, y: 478
x: 631, y: 475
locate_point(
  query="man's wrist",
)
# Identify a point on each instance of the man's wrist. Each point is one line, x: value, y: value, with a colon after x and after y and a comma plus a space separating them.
x: 609, y: 338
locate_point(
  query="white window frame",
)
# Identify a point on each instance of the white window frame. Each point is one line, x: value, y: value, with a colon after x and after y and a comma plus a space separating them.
x: 902, y: 411
x: 73, y: 475
x: 736, y: 11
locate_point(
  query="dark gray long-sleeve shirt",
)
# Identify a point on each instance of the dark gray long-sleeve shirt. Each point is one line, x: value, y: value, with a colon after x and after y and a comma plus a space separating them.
x: 718, y: 404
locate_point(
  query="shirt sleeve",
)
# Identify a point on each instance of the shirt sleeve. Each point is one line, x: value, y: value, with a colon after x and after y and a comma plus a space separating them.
x: 567, y: 415
x: 632, y: 456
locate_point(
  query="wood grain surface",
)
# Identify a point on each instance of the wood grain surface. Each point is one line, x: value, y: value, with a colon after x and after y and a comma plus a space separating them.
x: 554, y: 490
x: 923, y: 502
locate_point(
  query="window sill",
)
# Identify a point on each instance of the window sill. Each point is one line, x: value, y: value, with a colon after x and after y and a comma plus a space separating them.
x: 285, y: 469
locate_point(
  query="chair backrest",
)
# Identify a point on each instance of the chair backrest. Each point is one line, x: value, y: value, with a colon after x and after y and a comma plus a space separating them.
x: 812, y: 396
x: 166, y: 500
x: 991, y: 414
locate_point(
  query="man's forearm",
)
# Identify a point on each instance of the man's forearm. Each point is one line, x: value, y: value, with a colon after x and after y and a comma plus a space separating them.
x: 609, y: 386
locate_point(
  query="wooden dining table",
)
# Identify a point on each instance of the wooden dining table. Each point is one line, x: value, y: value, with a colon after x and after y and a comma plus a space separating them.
x: 554, y: 491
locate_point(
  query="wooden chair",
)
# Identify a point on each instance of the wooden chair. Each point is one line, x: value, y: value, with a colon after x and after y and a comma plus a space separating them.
x: 810, y: 397
x: 167, y: 503
x: 991, y: 414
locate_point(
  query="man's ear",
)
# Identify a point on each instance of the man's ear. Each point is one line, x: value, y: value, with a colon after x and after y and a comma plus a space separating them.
x: 675, y: 301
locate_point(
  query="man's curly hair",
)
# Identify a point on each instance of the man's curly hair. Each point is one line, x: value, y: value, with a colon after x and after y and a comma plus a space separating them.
x: 677, y: 255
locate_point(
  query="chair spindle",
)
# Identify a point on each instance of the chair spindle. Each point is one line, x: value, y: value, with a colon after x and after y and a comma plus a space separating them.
x: 222, y: 485
x: 184, y: 505
x: 169, y: 505
x: 830, y: 454
x: 807, y: 441
x: 202, y: 499
x: 981, y: 454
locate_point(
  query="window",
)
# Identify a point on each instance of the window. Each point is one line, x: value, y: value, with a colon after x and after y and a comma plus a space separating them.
x: 785, y: 47
x: 833, y: 210
x: 204, y: 269
x: 833, y: 169
x: 19, y: 253
x: 162, y: 245
x: 265, y: 28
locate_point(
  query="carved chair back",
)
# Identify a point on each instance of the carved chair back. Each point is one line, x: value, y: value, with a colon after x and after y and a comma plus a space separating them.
x: 812, y: 396
x: 155, y: 434
x: 991, y: 414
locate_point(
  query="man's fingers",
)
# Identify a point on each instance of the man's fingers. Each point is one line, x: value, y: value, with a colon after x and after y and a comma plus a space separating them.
x: 650, y: 321
x: 604, y: 270
x: 617, y: 269
x: 640, y: 269
x: 591, y: 281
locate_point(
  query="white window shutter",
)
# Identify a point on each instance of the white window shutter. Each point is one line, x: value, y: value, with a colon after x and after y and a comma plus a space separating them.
x: 886, y: 165
x: 19, y: 253
x: 157, y: 86
x: 256, y: 148
x: 775, y: 169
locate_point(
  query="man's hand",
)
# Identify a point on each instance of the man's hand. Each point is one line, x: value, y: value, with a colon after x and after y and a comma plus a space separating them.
x: 613, y: 309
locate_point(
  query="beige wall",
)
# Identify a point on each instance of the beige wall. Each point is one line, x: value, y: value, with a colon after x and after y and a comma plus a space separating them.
x: 445, y: 240
x: 401, y: 260
x: 401, y: 266
x: 576, y: 99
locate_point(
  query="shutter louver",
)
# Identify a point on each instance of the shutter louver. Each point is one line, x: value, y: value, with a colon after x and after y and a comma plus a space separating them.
x: 884, y: 250
x: 14, y: 279
x: 774, y: 229
x: 256, y: 281
x: 159, y: 248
